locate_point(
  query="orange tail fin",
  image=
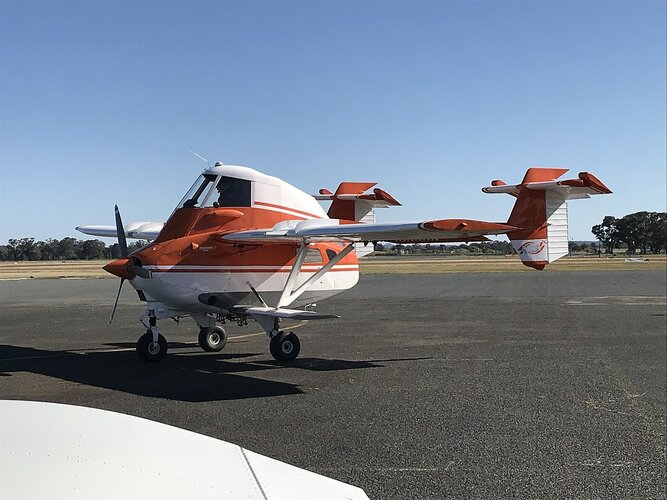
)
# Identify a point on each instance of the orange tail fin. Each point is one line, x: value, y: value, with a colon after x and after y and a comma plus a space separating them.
x: 540, y: 212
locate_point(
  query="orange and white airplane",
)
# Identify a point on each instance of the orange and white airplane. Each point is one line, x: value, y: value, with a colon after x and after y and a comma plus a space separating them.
x: 242, y: 244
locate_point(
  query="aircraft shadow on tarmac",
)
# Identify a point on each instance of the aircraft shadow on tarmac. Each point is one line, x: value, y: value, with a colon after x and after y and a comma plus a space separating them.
x: 194, y: 377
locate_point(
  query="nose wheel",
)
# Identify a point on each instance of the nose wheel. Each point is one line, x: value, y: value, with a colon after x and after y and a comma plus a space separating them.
x: 149, y: 349
x: 285, y: 346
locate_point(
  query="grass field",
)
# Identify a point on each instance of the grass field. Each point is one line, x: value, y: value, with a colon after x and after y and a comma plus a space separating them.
x: 93, y: 268
x: 504, y: 264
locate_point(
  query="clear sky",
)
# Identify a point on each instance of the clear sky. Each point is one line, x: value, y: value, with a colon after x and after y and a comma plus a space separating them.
x: 101, y: 102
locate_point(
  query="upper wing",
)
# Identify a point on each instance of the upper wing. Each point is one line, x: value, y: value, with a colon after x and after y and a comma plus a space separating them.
x: 136, y: 230
x: 408, y: 232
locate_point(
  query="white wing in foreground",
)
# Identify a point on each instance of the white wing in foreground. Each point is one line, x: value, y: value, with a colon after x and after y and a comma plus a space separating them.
x: 136, y: 230
x: 410, y: 232
x: 88, y: 453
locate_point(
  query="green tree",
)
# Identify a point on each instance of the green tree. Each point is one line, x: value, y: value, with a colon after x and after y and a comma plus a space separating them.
x: 92, y: 249
x: 657, y: 229
x: 67, y: 249
x: 48, y: 249
x: 641, y: 231
x: 12, y: 248
x: 607, y: 233
x: 24, y: 249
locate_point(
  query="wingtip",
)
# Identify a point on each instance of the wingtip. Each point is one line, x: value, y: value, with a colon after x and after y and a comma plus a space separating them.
x: 593, y: 182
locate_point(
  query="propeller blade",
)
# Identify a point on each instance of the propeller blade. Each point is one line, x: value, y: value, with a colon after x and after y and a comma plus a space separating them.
x: 113, y: 311
x: 120, y: 232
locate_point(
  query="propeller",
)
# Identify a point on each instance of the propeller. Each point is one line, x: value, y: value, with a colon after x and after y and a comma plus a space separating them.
x: 122, y: 243
x: 120, y: 232
x: 125, y: 268
x: 115, y: 304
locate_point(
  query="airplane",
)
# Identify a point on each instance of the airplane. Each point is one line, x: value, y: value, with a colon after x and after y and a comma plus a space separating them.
x: 242, y: 244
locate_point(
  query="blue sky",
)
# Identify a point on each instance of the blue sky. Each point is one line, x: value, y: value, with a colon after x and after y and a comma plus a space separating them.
x: 102, y: 101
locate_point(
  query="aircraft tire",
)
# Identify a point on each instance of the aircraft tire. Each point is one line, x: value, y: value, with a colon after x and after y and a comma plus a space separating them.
x: 285, y: 346
x: 149, y: 352
x: 212, y: 339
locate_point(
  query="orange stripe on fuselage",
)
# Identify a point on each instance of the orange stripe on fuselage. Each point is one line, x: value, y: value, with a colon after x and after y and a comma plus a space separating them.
x: 280, y: 207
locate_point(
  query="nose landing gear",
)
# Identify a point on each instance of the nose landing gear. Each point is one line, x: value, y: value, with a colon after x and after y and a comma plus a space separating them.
x: 152, y: 346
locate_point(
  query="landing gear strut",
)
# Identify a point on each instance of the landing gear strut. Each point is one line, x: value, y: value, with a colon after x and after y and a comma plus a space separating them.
x: 285, y: 346
x: 152, y: 346
x: 212, y: 339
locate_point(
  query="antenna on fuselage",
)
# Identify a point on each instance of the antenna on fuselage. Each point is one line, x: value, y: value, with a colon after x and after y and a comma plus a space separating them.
x: 201, y: 158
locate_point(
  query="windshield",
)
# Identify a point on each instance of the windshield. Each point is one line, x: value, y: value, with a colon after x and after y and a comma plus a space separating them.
x: 197, y: 193
x: 218, y: 191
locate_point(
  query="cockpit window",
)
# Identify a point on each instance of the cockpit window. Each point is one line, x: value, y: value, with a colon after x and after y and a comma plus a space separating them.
x: 217, y: 191
x: 197, y: 193
x: 231, y: 192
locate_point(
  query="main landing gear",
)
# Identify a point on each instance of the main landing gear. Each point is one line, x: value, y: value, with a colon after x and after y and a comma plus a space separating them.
x: 152, y: 346
x: 212, y: 339
x: 285, y: 346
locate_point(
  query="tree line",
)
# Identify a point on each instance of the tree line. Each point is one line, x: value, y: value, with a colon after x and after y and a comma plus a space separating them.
x: 641, y: 231
x: 65, y: 249
x: 644, y: 232
x: 485, y: 247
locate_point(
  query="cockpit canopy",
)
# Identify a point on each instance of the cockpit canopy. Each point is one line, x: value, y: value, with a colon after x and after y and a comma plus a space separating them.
x: 210, y: 190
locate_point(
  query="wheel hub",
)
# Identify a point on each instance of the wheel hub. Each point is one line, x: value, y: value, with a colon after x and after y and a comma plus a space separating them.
x: 287, y: 347
x: 153, y: 348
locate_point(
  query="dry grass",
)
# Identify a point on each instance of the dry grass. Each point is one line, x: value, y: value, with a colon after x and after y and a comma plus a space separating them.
x: 93, y: 269
x: 504, y: 264
x: 53, y: 269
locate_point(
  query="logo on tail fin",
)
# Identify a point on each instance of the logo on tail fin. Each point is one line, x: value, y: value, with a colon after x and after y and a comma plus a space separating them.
x: 531, y: 247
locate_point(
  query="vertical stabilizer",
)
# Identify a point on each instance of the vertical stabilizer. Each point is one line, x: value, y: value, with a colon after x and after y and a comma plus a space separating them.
x: 540, y: 212
x: 352, y: 203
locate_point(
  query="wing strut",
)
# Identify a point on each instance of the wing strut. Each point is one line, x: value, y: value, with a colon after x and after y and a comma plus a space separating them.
x: 290, y: 294
x: 259, y: 297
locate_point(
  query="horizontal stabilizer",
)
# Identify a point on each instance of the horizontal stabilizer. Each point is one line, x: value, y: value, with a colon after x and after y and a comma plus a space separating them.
x: 545, y: 179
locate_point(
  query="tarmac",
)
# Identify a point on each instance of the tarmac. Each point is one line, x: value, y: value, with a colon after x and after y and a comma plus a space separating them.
x: 463, y: 385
